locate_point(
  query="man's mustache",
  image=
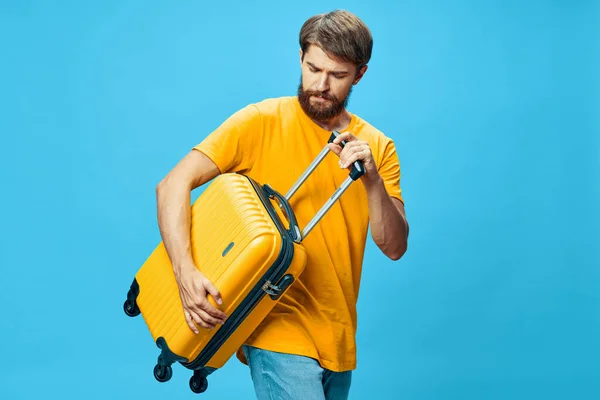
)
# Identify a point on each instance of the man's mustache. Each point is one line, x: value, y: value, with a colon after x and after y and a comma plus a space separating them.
x: 321, y: 94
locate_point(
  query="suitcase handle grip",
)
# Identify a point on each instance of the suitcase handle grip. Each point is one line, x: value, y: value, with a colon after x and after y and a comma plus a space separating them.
x: 358, y: 169
x: 294, y: 229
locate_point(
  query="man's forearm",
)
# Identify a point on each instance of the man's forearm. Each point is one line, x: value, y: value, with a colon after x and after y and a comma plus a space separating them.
x: 388, y: 226
x: 174, y: 215
x: 173, y: 195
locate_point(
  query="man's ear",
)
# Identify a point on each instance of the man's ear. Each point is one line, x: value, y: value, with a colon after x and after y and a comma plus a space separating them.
x: 301, y: 57
x: 360, y: 74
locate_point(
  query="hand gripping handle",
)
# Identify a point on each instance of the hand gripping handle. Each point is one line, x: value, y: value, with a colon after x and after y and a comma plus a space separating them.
x: 358, y: 169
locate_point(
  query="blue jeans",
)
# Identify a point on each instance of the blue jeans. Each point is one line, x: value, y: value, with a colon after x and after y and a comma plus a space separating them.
x: 279, y: 376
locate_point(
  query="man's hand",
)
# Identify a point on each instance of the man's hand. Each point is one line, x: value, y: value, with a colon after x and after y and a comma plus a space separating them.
x: 355, y: 150
x: 389, y: 227
x: 194, y: 287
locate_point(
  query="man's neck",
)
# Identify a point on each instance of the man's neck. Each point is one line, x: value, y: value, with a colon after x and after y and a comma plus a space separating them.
x: 337, y: 123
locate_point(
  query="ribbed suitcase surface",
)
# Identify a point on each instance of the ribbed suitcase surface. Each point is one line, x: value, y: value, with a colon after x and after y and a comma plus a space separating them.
x: 231, y: 231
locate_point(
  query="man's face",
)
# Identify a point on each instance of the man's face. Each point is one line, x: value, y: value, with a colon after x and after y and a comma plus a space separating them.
x: 325, y: 84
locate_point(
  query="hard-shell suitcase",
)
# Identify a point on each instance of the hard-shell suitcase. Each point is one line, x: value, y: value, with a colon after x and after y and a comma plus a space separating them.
x: 245, y: 239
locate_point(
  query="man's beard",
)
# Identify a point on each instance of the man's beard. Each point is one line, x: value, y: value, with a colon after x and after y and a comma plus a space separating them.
x: 322, y: 112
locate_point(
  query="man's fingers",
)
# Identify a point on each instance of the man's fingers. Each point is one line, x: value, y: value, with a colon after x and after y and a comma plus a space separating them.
x: 348, y: 152
x: 204, y: 318
x: 190, y: 321
x: 194, y: 317
x: 351, y: 142
x: 344, y: 153
x: 214, y: 292
x: 202, y: 304
x: 359, y: 155
x: 335, y: 148
x: 215, y: 312
x: 344, y: 136
x: 202, y: 321
x: 209, y: 319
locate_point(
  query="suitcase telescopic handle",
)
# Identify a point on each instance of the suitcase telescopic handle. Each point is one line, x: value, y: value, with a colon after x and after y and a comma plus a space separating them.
x: 358, y: 170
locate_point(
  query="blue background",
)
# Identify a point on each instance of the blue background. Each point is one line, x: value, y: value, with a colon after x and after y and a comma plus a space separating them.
x: 494, y: 110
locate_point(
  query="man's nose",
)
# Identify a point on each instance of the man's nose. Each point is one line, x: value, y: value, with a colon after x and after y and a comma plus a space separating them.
x: 323, y: 84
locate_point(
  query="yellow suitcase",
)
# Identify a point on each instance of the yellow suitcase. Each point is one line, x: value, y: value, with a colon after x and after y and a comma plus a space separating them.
x: 246, y: 240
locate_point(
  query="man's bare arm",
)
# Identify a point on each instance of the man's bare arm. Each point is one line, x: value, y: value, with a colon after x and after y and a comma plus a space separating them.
x: 173, y: 195
x: 389, y: 227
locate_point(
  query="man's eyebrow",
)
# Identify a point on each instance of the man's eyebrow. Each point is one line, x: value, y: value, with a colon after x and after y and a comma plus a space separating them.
x: 333, y: 72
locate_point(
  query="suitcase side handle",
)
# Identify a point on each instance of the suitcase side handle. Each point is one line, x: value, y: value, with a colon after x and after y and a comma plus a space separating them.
x: 293, y: 230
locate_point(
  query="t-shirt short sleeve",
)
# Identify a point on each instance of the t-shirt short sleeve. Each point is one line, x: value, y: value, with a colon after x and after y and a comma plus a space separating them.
x: 389, y: 169
x: 232, y: 145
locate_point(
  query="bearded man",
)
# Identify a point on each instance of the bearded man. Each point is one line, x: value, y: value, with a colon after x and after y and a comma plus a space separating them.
x: 306, y: 347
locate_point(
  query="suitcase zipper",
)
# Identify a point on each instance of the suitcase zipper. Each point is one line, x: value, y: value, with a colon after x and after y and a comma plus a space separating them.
x: 275, y: 273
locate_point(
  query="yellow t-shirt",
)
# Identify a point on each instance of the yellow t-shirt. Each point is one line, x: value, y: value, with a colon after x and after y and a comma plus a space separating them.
x: 273, y: 142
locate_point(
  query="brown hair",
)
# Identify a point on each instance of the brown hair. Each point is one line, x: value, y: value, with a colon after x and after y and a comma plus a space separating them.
x: 340, y: 34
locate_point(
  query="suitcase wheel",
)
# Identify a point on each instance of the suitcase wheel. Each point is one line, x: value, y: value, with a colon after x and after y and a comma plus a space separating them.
x: 163, y: 373
x: 198, y: 384
x: 131, y: 308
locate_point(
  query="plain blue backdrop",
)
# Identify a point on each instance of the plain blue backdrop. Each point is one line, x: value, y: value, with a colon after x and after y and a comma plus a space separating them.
x: 493, y: 107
